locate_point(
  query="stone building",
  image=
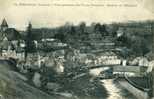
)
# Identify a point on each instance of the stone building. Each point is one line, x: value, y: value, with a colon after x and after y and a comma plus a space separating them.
x: 9, y: 41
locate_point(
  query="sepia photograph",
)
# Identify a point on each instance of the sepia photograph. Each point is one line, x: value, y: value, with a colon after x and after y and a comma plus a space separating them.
x: 76, y: 49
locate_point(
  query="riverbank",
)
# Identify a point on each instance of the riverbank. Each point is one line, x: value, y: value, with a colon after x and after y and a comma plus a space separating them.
x: 138, y: 94
x: 86, y: 88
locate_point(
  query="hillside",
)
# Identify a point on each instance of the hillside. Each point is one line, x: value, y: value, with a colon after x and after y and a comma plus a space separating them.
x: 13, y: 85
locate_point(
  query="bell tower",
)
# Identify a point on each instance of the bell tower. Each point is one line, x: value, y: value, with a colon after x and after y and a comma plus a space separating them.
x: 4, y: 25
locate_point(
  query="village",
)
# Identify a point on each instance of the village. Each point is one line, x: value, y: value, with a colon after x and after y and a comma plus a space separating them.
x: 53, y: 65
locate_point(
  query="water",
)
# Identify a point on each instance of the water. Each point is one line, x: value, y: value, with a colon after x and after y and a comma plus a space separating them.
x: 114, y: 91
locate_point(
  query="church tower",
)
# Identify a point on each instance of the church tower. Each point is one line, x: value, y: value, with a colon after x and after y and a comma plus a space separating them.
x: 4, y: 25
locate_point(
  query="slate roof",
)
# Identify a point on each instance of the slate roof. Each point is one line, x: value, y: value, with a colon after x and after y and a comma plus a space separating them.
x: 12, y: 34
x: 4, y: 23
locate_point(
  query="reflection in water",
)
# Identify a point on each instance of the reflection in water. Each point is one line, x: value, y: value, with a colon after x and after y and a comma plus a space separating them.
x: 112, y: 89
x: 115, y: 92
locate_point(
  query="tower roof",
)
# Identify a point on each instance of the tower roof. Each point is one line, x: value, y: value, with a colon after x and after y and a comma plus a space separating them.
x: 4, y: 23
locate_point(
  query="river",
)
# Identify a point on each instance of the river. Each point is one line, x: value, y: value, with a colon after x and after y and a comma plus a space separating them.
x: 115, y: 91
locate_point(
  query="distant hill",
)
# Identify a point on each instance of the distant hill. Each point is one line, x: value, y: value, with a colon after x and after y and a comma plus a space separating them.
x: 133, y: 27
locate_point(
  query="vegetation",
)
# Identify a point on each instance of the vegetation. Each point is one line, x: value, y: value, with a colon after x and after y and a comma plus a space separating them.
x: 137, y: 36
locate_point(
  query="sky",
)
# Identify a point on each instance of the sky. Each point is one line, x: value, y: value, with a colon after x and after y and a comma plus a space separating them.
x: 18, y: 16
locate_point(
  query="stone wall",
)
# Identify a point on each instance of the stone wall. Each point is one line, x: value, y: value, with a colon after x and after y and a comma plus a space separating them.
x: 136, y: 92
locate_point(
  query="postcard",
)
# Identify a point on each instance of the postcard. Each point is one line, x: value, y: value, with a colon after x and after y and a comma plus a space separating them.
x: 76, y: 49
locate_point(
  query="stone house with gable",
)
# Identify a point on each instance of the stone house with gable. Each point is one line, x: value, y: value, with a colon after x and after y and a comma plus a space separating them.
x: 10, y: 41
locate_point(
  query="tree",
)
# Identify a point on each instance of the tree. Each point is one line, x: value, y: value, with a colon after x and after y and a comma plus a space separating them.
x: 144, y: 46
x: 72, y: 30
x: 60, y: 36
x: 30, y: 46
x: 97, y: 28
x: 124, y: 40
x: 82, y: 27
x: 139, y: 46
x: 103, y: 30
